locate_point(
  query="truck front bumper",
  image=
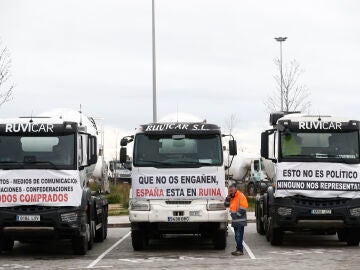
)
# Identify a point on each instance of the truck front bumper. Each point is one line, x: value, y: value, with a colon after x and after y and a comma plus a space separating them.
x: 54, y: 222
x: 157, y: 214
x: 302, y: 213
x: 179, y: 219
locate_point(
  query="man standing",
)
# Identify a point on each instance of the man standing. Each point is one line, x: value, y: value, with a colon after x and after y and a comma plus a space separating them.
x: 238, y: 204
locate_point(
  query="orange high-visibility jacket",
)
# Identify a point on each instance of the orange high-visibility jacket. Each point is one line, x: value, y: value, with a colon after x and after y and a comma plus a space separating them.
x: 239, y: 200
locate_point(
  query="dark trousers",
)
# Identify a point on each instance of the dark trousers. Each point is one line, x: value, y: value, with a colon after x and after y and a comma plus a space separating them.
x: 239, y: 235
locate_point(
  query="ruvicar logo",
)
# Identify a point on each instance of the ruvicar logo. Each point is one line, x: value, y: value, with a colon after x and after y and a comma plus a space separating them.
x: 175, y: 126
x: 28, y: 127
x: 319, y: 125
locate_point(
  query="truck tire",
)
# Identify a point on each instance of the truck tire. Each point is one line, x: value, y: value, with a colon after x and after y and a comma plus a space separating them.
x: 6, y: 244
x: 259, y: 223
x: 138, y: 240
x: 80, y: 244
x: 274, y: 235
x: 91, y: 224
x: 341, y: 235
x: 220, y: 239
x: 352, y: 237
x: 100, y: 234
x: 106, y: 223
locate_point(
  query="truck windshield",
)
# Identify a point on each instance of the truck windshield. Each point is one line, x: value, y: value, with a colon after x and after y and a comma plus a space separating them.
x: 177, y: 151
x: 337, y: 147
x: 28, y: 152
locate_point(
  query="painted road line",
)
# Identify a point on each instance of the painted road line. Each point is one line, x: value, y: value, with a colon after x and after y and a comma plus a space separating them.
x: 248, y: 250
x: 95, y: 267
x: 91, y: 265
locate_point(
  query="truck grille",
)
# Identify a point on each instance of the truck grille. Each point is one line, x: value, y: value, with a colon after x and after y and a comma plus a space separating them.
x: 178, y: 202
x: 321, y: 202
x: 30, y: 208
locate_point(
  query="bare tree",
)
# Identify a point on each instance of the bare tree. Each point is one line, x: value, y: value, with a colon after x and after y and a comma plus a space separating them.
x: 6, y: 87
x: 295, y: 94
x: 231, y: 122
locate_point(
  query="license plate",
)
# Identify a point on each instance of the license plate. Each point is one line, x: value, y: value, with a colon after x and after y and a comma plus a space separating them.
x: 28, y: 218
x: 178, y: 219
x: 321, y: 211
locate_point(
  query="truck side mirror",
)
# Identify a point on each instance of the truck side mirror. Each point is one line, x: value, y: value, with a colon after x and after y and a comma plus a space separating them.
x: 111, y: 167
x: 265, y: 145
x: 232, y: 148
x: 124, y: 141
x: 123, y: 155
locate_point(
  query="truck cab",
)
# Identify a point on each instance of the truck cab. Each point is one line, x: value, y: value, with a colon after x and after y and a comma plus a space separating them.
x: 178, y: 182
x: 257, y: 174
x: 315, y: 178
x: 119, y: 171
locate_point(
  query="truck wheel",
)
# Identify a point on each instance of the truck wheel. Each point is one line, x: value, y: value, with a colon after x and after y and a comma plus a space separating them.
x: 259, y: 223
x: 341, y: 235
x: 220, y: 239
x: 274, y: 235
x: 80, y: 244
x: 106, y: 224
x: 138, y: 240
x: 267, y: 230
x: 92, y: 228
x: 352, y: 237
x: 251, y: 189
x: 100, y: 233
x: 6, y: 245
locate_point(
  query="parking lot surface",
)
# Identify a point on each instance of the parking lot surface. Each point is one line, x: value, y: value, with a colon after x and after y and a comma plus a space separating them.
x: 299, y: 251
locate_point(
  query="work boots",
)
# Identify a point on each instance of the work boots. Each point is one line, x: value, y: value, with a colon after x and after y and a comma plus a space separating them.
x: 237, y: 253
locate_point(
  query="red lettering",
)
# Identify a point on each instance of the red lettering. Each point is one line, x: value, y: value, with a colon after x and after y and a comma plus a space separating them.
x: 41, y: 198
x: 211, y: 192
x: 149, y: 192
x: 8, y: 198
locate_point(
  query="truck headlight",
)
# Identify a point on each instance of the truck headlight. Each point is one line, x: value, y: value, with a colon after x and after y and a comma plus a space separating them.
x: 355, y: 212
x: 284, y: 211
x: 69, y: 217
x: 139, y: 205
x: 215, y: 206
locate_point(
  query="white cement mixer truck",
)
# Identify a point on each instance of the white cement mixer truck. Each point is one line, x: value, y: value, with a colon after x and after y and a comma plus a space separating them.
x: 178, y: 182
x: 46, y: 163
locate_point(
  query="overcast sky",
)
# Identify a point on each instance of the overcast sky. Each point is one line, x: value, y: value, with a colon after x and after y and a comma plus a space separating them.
x: 214, y: 58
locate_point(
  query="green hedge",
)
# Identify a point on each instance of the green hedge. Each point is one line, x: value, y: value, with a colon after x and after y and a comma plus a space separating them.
x: 251, y: 202
x: 119, y: 194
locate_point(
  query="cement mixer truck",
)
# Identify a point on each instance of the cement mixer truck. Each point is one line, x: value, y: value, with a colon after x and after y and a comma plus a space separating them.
x: 315, y: 178
x: 178, y: 182
x: 46, y: 163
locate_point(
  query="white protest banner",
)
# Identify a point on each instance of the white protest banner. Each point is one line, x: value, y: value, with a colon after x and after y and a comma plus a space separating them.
x: 317, y: 179
x: 40, y: 187
x: 170, y: 185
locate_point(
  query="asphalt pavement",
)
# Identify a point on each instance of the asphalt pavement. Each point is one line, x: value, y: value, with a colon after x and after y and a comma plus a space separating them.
x: 299, y: 251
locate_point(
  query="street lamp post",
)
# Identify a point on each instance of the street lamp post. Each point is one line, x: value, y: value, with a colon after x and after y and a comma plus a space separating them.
x: 154, y: 63
x: 281, y: 40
